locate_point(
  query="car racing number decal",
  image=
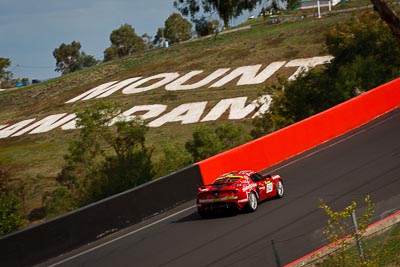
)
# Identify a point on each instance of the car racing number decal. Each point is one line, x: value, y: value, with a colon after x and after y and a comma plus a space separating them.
x: 269, y: 186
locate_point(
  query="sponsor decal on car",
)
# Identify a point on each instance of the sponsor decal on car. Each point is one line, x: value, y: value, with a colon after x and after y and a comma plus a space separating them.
x: 269, y: 186
x: 249, y: 187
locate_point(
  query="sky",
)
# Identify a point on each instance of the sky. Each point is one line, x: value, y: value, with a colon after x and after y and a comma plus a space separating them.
x: 30, y: 30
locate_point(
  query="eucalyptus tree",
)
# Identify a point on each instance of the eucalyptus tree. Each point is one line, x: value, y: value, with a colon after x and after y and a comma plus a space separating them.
x: 388, y: 15
x: 4, y: 63
x: 69, y: 58
x: 177, y: 29
x: 4, y: 75
x: 124, y: 42
x: 226, y: 10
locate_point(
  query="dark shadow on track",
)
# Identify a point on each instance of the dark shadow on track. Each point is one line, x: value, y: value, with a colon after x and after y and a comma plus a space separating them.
x: 213, y: 216
x: 218, y: 214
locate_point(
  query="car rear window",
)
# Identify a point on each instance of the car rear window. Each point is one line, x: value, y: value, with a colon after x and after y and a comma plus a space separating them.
x: 225, y: 180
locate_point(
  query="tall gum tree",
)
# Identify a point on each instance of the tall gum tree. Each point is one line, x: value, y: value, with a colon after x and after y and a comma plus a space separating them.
x: 388, y: 15
x: 226, y: 10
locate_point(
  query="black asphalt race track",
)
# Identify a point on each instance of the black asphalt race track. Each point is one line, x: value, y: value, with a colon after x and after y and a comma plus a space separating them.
x: 363, y: 162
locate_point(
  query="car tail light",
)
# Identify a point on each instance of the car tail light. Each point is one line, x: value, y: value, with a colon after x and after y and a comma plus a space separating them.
x: 202, y: 188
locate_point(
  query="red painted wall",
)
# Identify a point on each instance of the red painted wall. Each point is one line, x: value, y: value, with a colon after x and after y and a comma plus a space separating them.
x: 299, y: 137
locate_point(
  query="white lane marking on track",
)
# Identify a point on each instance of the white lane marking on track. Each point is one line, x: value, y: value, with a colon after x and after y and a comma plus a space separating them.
x: 120, y: 237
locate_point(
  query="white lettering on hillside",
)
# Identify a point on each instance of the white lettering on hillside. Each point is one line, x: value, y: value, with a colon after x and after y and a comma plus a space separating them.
x: 165, y: 78
x: 49, y: 123
x: 93, y: 92
x: 178, y: 84
x: 71, y: 125
x: 115, y: 88
x: 186, y: 113
x: 6, y: 132
x: 263, y: 102
x: 248, y: 74
x: 152, y: 111
x: 236, y: 107
x: 305, y: 64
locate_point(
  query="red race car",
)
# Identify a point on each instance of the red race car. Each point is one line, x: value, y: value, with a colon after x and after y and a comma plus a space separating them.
x: 238, y: 189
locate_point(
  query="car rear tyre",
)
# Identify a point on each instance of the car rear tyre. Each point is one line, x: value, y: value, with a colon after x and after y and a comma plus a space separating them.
x: 279, y: 189
x: 253, y: 202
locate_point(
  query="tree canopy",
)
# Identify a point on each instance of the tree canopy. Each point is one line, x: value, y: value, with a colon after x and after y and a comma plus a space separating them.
x: 177, y: 29
x: 4, y: 75
x: 388, y: 15
x: 208, y: 141
x: 124, y: 42
x: 86, y: 61
x: 226, y: 10
x: 206, y: 27
x: 69, y: 58
x: 104, y: 160
x: 11, y: 211
x: 4, y: 63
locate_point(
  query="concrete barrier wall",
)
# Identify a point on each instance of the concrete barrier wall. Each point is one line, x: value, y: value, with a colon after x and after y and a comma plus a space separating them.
x: 299, y: 137
x: 52, y: 238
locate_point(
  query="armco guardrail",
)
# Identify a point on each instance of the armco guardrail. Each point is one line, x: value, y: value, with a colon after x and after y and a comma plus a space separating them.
x: 49, y: 239
x: 304, y: 135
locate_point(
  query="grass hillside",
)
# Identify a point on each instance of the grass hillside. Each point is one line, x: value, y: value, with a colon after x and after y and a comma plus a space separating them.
x: 36, y: 159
